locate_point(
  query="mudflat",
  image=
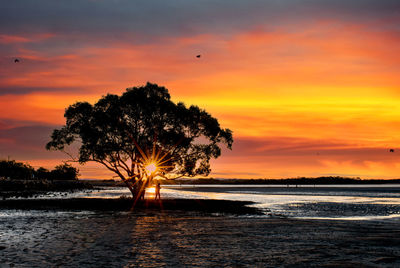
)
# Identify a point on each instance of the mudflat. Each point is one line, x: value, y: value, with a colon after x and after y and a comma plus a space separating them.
x: 182, y: 238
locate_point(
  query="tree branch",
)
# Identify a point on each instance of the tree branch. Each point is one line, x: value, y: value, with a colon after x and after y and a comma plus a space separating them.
x: 70, y: 155
x: 104, y: 163
x: 123, y: 164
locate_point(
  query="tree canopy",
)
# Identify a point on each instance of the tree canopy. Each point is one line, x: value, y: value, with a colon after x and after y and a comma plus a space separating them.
x: 142, y: 134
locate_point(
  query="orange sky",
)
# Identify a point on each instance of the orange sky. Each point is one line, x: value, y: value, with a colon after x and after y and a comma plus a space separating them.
x: 304, y: 97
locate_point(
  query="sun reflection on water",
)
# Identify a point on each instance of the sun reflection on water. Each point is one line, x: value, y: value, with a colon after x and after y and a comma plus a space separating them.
x: 151, y: 190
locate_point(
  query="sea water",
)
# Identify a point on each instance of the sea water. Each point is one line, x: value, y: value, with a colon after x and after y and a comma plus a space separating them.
x: 341, y: 202
x: 304, y: 226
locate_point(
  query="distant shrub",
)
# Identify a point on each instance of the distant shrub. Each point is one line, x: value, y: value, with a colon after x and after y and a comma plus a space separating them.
x: 15, y: 170
x: 64, y: 172
x: 19, y: 171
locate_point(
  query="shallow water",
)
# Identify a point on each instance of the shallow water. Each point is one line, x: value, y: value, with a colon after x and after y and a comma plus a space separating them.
x: 297, y: 229
x: 81, y: 239
x: 344, y: 202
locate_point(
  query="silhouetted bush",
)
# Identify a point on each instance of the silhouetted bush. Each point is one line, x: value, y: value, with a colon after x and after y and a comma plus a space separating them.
x: 19, y: 171
x: 64, y: 172
x: 15, y: 170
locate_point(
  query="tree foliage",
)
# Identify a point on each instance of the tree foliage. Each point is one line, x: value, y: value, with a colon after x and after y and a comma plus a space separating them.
x: 64, y: 172
x: 15, y: 170
x: 143, y: 124
x: 20, y: 171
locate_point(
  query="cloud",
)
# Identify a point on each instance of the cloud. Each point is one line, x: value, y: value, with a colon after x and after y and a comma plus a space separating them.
x: 151, y: 19
x: 26, y: 142
x: 298, y: 147
x: 17, y: 90
x: 8, y: 39
x: 279, y: 157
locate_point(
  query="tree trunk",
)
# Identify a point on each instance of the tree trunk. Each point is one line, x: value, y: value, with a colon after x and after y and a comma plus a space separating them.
x: 137, y: 188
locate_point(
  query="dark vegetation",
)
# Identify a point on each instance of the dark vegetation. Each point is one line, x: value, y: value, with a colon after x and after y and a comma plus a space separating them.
x: 31, y: 188
x: 22, y: 180
x: 20, y: 171
x: 289, y: 181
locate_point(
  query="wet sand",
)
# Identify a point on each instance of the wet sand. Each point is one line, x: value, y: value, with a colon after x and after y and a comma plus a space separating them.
x: 167, y: 238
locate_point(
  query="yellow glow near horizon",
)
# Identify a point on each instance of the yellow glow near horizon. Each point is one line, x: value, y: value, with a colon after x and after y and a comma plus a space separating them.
x: 151, y: 190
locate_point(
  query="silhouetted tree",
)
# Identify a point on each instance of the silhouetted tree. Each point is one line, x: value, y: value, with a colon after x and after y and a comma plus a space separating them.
x: 15, y: 170
x: 64, y: 172
x: 141, y: 135
x: 42, y: 173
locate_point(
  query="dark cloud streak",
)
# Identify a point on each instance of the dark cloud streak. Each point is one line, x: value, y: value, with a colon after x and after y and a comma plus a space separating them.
x: 152, y: 19
x: 26, y: 142
x: 12, y: 90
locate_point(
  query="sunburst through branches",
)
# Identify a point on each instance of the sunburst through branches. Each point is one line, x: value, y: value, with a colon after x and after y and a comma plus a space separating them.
x: 150, y: 168
x: 155, y: 162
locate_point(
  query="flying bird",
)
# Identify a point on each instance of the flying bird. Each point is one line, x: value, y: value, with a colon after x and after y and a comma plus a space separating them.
x: 16, y: 60
x: 391, y: 150
x: 198, y: 56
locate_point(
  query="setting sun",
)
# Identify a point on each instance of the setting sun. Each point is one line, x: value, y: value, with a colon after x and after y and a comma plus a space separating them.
x: 151, y: 168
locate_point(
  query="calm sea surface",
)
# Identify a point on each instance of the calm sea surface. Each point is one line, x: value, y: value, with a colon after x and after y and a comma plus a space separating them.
x: 344, y: 202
